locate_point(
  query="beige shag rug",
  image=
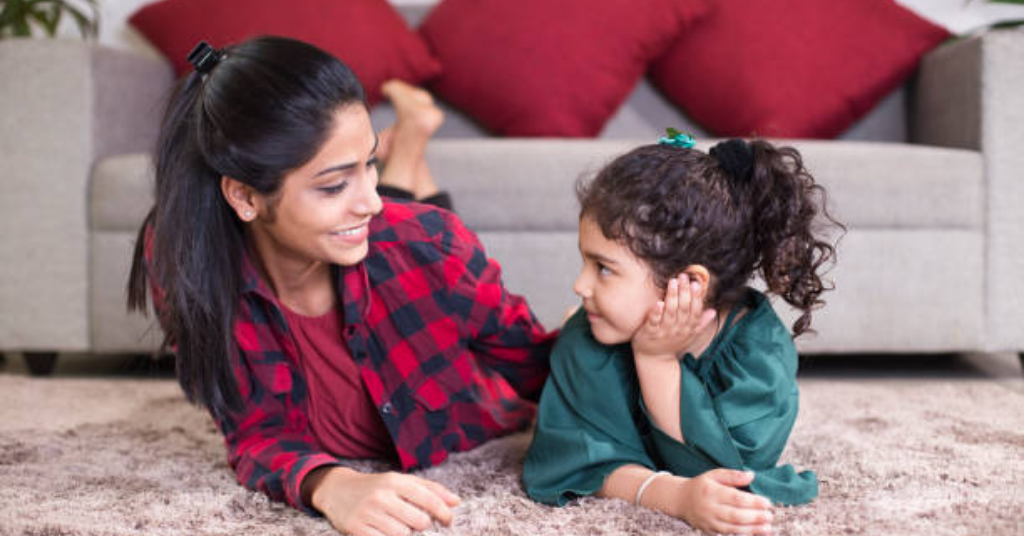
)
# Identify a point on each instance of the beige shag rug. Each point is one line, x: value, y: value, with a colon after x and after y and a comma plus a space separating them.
x: 933, y: 454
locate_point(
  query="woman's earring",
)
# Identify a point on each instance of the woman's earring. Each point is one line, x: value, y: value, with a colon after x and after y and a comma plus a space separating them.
x: 247, y: 214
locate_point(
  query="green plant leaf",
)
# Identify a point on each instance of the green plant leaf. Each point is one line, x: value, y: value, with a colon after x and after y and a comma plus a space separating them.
x: 1018, y: 2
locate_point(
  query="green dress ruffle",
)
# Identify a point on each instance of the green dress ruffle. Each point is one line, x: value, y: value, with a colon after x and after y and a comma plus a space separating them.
x: 738, y: 403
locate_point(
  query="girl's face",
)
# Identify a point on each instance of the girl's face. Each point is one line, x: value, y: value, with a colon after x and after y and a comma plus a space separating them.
x: 616, y: 287
x: 322, y: 211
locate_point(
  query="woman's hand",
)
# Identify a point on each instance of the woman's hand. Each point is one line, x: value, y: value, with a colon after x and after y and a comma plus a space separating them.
x: 375, y: 504
x: 711, y: 502
x: 673, y: 324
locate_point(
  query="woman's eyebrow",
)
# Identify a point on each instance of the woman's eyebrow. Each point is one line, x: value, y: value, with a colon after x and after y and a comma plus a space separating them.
x: 350, y: 165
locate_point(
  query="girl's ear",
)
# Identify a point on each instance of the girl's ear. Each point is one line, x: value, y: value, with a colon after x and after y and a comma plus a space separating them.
x: 241, y: 197
x: 700, y: 274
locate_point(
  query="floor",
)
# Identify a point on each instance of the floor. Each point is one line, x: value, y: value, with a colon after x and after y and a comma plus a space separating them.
x: 1005, y: 368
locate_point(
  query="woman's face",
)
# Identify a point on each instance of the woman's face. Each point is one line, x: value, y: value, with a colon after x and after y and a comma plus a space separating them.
x: 323, y: 209
x: 616, y: 287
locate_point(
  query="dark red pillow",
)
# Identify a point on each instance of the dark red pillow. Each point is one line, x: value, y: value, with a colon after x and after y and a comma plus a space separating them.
x: 368, y: 35
x: 792, y: 68
x: 547, y: 67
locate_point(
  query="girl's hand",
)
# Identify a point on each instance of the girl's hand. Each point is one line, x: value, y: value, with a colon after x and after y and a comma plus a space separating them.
x: 375, y: 504
x: 711, y: 502
x: 673, y: 323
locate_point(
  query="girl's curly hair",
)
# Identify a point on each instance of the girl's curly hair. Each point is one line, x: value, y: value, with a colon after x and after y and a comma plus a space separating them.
x: 675, y: 207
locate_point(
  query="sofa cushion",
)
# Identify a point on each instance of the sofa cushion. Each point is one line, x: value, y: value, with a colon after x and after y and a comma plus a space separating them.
x: 792, y: 68
x: 543, y: 68
x: 368, y: 35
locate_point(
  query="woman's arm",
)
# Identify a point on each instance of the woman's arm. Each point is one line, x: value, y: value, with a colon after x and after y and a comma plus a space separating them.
x: 377, y: 503
x: 505, y: 334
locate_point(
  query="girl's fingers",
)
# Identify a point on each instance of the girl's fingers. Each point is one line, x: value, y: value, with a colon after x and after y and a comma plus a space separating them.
x: 746, y: 516
x: 672, y: 300
x: 654, y: 319
x: 685, y: 297
x: 728, y: 528
x: 696, y: 299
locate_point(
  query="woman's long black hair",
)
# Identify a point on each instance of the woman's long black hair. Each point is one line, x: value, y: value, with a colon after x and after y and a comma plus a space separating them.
x: 266, y: 108
x: 673, y: 207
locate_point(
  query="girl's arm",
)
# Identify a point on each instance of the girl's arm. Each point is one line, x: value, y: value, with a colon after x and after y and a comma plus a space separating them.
x: 710, y: 502
x: 677, y: 325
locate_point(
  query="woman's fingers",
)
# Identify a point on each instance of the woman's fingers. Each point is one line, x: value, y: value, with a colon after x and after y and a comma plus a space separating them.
x: 423, y: 497
x: 450, y: 498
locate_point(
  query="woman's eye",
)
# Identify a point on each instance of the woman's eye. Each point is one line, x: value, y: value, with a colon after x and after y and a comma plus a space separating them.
x: 334, y: 189
x: 373, y: 162
x: 603, y: 270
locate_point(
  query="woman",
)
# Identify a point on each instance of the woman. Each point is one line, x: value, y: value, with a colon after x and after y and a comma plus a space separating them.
x: 315, y: 320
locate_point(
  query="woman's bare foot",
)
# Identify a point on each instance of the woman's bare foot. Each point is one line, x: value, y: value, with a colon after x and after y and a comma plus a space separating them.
x: 414, y: 107
x: 403, y: 145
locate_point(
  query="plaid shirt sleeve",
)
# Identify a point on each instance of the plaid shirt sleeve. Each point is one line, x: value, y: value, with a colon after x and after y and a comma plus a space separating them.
x: 506, y: 336
x: 269, y: 442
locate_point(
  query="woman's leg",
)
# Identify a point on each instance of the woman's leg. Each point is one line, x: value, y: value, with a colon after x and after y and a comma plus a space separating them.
x: 403, y: 145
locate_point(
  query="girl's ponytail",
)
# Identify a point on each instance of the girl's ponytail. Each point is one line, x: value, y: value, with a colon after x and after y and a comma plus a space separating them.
x: 788, y: 218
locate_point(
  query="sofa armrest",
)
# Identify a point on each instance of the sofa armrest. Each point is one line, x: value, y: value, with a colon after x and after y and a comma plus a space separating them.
x: 970, y: 94
x: 63, y: 103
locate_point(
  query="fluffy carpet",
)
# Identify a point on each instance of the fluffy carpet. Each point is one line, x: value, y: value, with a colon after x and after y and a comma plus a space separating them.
x: 905, y: 454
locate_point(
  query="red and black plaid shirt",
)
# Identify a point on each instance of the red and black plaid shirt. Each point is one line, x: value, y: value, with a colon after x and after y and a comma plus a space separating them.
x: 448, y: 356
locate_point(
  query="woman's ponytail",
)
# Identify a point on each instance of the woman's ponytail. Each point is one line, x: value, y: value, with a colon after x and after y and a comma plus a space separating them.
x: 195, y: 256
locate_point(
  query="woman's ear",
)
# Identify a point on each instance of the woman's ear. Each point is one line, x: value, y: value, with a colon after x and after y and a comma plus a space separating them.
x: 700, y: 274
x: 241, y: 197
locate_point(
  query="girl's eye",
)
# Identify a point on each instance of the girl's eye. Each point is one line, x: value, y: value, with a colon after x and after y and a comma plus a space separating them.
x: 335, y: 189
x: 374, y: 163
x: 603, y: 270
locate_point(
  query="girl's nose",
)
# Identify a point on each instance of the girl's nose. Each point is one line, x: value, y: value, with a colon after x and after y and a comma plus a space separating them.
x: 582, y: 286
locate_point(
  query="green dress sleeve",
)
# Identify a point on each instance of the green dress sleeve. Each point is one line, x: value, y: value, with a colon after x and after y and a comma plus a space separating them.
x: 586, y: 421
x: 738, y: 403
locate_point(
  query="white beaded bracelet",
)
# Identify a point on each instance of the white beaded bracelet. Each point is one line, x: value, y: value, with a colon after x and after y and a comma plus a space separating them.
x: 647, y: 482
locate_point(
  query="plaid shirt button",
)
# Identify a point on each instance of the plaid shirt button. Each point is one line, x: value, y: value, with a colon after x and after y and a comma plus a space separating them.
x: 387, y: 408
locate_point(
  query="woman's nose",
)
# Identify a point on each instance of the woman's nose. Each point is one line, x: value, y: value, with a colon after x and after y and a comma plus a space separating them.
x: 368, y: 201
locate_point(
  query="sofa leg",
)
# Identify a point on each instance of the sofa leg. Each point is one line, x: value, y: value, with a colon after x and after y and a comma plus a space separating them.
x: 41, y: 363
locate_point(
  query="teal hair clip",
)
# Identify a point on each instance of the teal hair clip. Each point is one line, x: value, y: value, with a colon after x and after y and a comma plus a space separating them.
x: 677, y: 139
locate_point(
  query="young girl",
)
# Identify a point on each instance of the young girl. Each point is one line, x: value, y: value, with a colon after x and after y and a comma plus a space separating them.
x: 673, y: 386
x: 314, y: 320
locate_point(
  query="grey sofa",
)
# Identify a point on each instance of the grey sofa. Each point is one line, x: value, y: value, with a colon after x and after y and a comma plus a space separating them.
x: 930, y: 186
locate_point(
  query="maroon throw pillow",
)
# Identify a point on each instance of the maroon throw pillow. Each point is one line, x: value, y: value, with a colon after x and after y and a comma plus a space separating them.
x: 792, y: 68
x: 545, y: 67
x: 370, y: 36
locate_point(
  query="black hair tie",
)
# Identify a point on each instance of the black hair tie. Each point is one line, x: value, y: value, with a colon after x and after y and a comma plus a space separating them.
x: 204, y: 57
x: 736, y: 157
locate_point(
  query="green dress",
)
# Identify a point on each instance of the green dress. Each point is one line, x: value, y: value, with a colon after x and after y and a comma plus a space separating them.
x: 738, y: 402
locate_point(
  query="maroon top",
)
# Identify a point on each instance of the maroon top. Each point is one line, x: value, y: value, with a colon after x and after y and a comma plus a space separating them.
x: 341, y: 415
